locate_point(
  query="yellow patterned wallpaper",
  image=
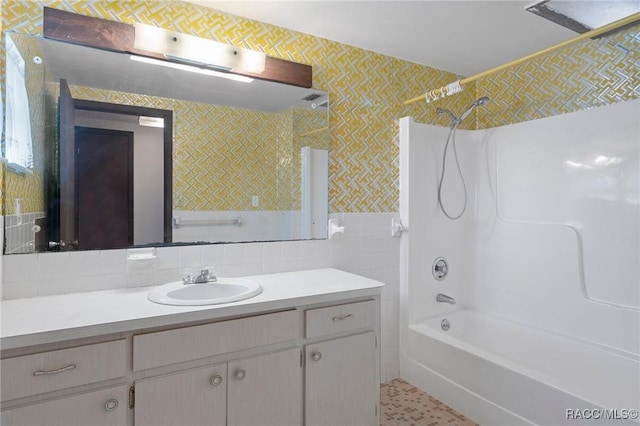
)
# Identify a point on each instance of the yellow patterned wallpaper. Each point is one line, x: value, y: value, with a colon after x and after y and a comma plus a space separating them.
x: 367, y: 89
x: 222, y: 156
x: 590, y: 74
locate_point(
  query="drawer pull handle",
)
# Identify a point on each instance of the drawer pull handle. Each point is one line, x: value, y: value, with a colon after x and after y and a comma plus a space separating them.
x: 111, y: 404
x: 316, y: 356
x: 342, y: 317
x: 240, y: 374
x: 216, y: 380
x: 59, y: 370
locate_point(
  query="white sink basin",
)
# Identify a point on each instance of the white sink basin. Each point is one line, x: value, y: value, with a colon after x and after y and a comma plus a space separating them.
x: 224, y: 290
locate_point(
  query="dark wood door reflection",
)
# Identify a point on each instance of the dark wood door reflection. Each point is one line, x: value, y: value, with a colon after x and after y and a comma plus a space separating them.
x: 104, y: 167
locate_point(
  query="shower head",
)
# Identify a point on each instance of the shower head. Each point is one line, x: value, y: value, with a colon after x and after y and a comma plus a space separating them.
x: 481, y: 101
x: 478, y: 102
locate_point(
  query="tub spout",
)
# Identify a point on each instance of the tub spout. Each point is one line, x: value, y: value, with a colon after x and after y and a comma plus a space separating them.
x: 443, y: 298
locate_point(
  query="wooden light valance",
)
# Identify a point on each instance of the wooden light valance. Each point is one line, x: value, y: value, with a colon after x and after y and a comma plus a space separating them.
x: 120, y: 37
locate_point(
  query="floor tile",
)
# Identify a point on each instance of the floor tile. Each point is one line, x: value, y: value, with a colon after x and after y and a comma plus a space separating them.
x: 403, y: 404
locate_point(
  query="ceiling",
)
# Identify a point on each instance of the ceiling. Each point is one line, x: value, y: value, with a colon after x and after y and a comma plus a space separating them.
x: 464, y: 37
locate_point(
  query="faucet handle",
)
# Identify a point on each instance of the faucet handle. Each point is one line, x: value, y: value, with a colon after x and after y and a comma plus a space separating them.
x: 210, y: 274
x: 187, y: 276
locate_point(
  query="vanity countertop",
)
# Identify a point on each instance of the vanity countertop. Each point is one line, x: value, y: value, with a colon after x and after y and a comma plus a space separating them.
x: 49, y: 319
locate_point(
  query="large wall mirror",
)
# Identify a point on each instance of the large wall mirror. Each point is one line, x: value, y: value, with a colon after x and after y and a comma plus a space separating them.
x: 102, y: 150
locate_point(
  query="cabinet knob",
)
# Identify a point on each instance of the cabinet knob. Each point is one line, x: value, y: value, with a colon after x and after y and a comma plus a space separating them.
x: 316, y: 356
x: 111, y: 404
x: 216, y: 380
x: 240, y: 374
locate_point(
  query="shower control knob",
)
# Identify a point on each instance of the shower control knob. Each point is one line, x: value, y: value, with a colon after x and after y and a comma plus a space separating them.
x: 440, y: 268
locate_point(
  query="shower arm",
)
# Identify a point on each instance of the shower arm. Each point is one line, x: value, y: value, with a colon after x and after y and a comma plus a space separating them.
x: 446, y: 90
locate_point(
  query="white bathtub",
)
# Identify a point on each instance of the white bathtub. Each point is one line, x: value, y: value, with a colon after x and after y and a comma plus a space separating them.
x: 498, y: 372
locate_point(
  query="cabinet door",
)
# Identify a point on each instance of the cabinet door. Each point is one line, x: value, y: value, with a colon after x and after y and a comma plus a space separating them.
x: 266, y: 390
x: 341, y: 382
x: 107, y: 407
x: 188, y: 398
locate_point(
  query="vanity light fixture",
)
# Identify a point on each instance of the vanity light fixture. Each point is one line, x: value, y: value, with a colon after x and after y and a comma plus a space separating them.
x: 191, y: 68
x: 190, y: 49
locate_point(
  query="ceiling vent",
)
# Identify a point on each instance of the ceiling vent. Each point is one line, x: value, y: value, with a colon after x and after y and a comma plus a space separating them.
x: 585, y: 15
x: 311, y: 97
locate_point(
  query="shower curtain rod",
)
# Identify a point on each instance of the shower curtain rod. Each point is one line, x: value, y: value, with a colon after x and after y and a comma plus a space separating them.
x: 455, y: 87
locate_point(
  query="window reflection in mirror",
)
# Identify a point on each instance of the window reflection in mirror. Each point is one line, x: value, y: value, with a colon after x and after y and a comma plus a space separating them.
x: 248, y: 161
x: 18, y: 145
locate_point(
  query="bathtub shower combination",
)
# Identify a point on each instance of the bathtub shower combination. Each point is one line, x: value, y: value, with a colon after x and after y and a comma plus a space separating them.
x: 525, y: 310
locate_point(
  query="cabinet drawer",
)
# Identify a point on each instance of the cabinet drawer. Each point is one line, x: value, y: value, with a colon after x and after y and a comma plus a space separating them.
x: 340, y: 318
x: 107, y: 407
x: 49, y: 371
x: 189, y: 343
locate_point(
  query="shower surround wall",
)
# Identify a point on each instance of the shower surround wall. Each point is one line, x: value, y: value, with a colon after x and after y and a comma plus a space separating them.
x: 543, y: 266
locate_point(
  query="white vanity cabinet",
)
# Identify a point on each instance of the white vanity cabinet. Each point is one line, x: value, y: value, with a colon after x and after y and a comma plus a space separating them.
x: 107, y: 407
x: 193, y: 397
x: 342, y: 378
x: 265, y: 389
x: 26, y: 377
x: 297, y: 355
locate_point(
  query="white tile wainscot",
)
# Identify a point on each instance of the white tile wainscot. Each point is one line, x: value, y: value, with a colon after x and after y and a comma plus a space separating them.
x: 60, y: 335
x: 366, y: 248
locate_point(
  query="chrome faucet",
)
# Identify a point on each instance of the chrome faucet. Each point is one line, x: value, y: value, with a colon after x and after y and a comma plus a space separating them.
x: 443, y: 298
x: 204, y: 277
